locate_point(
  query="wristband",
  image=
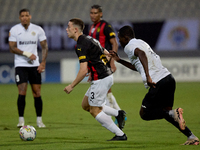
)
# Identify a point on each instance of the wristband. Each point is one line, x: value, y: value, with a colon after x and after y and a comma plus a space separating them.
x: 27, y: 54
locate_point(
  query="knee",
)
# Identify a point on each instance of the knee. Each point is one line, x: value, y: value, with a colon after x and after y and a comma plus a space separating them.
x: 95, y: 110
x: 22, y: 92
x: 36, y: 93
x: 143, y: 115
x: 85, y: 107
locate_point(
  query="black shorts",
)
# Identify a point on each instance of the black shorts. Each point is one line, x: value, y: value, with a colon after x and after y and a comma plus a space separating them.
x: 162, y: 96
x: 25, y: 74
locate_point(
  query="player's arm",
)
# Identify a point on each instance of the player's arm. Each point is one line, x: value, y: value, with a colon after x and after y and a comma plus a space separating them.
x: 107, y: 54
x: 80, y: 76
x: 143, y: 59
x: 114, y: 44
x: 13, y: 49
x: 116, y: 57
x: 42, y: 65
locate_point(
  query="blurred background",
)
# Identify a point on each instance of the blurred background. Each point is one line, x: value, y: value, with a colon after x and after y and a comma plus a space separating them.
x: 170, y: 27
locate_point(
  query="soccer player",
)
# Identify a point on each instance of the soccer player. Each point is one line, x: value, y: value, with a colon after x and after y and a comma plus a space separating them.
x: 104, y: 33
x: 93, y: 57
x: 23, y: 42
x: 158, y: 102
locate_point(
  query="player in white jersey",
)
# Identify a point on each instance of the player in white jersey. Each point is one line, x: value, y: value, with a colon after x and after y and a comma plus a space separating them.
x: 23, y: 42
x: 158, y: 102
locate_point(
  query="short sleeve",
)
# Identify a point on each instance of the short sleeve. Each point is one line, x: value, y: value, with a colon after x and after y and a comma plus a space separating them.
x: 129, y: 50
x: 12, y: 36
x: 42, y: 35
x: 109, y: 32
x: 81, y: 53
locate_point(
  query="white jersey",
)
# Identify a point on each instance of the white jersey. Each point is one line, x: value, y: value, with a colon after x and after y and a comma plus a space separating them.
x: 27, y: 40
x: 156, y: 70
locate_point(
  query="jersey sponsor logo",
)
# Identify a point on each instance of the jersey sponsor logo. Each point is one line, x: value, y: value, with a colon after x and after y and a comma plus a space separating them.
x: 33, y: 33
x: 82, y: 57
x: 112, y: 34
x: 79, y: 49
x: 27, y: 42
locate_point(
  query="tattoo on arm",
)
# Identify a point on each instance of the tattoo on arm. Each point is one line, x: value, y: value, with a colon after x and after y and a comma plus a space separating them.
x: 44, y: 46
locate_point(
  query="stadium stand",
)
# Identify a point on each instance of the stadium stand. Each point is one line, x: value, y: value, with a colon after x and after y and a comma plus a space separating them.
x: 59, y: 11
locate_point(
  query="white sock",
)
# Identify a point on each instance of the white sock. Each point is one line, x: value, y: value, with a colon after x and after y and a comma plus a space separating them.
x: 110, y: 111
x: 21, y: 119
x: 192, y: 136
x: 108, y: 123
x: 39, y: 119
x: 171, y: 113
x: 113, y: 101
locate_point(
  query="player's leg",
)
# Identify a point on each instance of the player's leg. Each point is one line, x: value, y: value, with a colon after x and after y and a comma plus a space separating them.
x: 120, y: 115
x: 21, y: 103
x: 112, y: 101
x: 21, y: 79
x: 96, y: 99
x: 175, y: 117
x: 107, y: 122
x: 35, y: 81
x: 85, y: 105
x: 159, y: 105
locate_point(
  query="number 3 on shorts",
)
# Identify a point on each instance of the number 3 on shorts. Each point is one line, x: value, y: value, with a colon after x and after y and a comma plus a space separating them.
x: 92, y: 95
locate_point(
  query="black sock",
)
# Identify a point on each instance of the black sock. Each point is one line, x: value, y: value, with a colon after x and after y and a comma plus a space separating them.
x: 38, y: 106
x: 186, y: 132
x: 21, y: 105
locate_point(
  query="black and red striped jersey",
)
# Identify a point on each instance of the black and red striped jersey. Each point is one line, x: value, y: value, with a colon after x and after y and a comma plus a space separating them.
x: 89, y: 50
x: 103, y: 32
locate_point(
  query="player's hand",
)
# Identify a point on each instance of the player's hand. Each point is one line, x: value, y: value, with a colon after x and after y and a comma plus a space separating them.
x: 32, y: 57
x: 41, y: 67
x: 68, y: 89
x: 114, y: 55
x: 150, y: 82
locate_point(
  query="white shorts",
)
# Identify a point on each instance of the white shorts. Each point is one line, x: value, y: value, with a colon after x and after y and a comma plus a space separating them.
x: 97, y: 92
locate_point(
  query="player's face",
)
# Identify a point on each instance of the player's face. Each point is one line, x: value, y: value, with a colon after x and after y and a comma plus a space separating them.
x: 25, y: 18
x: 95, y: 15
x: 70, y: 30
x: 122, y: 40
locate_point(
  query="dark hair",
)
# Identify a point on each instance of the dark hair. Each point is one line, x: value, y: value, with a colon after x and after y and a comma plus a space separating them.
x: 24, y: 10
x: 78, y: 22
x: 127, y: 31
x: 97, y: 7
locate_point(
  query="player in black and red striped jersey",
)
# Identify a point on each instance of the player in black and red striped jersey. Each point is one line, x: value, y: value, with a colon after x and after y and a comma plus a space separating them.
x: 104, y: 33
x: 94, y: 58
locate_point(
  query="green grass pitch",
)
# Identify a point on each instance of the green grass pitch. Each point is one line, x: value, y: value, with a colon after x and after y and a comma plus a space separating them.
x: 71, y: 128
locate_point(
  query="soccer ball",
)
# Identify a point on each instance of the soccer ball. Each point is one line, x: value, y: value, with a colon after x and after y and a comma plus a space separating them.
x: 27, y: 133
